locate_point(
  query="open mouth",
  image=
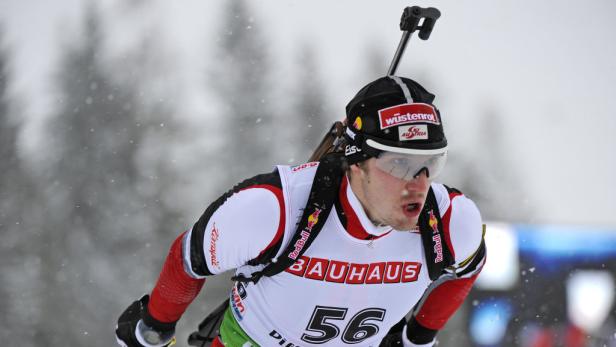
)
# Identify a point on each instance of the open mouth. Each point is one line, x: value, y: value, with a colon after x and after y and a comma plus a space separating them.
x: 412, y: 209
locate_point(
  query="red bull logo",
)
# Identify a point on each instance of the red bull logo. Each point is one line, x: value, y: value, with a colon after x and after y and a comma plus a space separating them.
x: 438, y: 248
x: 313, y: 219
x: 433, y: 222
x: 436, y: 238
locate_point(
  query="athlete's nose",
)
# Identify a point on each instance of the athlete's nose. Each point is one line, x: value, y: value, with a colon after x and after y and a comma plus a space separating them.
x: 419, y: 181
x: 422, y: 171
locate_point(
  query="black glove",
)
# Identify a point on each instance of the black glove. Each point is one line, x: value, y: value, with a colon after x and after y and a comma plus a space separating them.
x: 150, y: 331
x: 392, y: 340
x: 394, y: 335
x: 395, y: 338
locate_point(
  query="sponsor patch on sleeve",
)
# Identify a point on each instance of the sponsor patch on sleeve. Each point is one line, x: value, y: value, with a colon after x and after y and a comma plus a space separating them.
x: 408, y: 114
x: 304, y: 166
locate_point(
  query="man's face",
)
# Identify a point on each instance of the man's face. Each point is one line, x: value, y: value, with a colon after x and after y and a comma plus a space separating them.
x: 386, y: 199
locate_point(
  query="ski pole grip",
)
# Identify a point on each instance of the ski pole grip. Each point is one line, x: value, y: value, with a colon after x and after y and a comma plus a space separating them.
x: 411, y: 16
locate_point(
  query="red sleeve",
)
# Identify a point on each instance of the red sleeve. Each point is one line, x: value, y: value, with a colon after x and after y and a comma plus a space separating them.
x: 175, y: 289
x: 443, y: 301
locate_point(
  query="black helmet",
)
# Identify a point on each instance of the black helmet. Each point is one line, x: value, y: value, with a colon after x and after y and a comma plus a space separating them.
x: 393, y: 114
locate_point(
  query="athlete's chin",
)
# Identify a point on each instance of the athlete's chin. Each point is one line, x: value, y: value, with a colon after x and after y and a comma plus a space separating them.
x: 405, y: 225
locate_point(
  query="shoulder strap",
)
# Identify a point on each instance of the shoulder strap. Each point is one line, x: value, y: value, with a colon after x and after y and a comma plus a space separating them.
x: 438, y: 254
x: 320, y: 201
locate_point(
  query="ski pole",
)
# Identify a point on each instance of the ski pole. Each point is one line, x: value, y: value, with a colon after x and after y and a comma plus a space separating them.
x: 409, y: 23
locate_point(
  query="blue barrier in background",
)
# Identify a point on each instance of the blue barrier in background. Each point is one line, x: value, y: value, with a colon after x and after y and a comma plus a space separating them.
x: 551, y: 246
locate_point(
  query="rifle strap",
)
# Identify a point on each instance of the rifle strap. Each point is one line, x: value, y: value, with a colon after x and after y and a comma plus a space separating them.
x: 320, y: 202
x: 438, y: 254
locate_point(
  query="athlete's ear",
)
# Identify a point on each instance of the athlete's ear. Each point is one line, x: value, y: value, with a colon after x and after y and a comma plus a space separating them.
x: 355, y: 168
x: 356, y: 171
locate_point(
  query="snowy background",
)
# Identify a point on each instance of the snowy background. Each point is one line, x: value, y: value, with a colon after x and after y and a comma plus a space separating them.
x: 121, y: 120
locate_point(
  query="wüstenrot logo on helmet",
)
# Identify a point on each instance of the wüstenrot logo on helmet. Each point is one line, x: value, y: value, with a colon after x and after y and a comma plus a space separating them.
x: 408, y: 114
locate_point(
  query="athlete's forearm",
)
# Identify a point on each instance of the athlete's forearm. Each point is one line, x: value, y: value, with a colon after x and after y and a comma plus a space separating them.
x: 175, y: 289
x: 436, y: 309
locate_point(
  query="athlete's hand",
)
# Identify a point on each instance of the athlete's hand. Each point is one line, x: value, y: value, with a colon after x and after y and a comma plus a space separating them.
x: 131, y: 330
